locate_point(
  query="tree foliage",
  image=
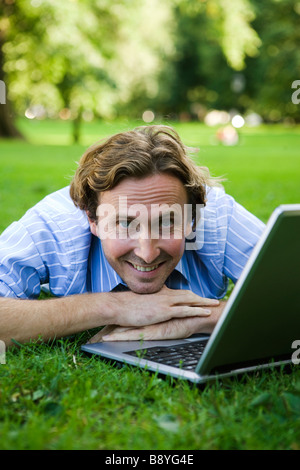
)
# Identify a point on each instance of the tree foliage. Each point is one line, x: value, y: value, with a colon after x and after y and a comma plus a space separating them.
x: 56, y: 55
x: 110, y: 57
x: 240, y: 55
x: 270, y: 75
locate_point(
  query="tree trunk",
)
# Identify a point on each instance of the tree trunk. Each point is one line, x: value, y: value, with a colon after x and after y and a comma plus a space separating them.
x: 76, y: 127
x: 7, y: 126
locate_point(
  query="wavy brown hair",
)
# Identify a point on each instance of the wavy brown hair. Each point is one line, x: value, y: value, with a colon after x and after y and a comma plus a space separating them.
x: 144, y: 151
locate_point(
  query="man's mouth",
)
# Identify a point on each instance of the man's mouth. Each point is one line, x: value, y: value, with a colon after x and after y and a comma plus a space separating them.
x: 145, y: 268
x: 141, y: 268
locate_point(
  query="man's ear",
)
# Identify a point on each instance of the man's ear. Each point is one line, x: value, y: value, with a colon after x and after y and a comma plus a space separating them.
x: 188, y: 229
x: 93, y: 224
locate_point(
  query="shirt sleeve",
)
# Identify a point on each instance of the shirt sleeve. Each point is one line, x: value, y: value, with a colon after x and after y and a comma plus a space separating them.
x: 21, y: 267
x: 225, y: 237
x: 243, y: 231
x: 49, y: 244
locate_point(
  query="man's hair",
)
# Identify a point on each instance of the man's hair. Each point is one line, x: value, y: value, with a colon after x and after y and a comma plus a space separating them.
x: 142, y: 152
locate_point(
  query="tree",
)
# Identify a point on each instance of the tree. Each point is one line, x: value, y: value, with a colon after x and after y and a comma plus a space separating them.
x: 238, y: 54
x: 7, y: 127
x: 212, y: 40
x: 270, y: 75
x: 76, y: 57
x: 56, y: 55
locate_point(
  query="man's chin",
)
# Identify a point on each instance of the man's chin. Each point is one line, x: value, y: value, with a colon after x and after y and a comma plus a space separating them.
x: 145, y: 288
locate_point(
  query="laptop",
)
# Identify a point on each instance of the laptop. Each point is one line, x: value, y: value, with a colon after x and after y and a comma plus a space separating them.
x: 257, y: 328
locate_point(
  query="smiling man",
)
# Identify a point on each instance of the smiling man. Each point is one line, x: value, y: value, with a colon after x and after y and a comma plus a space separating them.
x: 142, y: 242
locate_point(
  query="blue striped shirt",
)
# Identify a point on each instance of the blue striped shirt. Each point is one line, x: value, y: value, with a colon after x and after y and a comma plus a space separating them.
x: 52, y: 243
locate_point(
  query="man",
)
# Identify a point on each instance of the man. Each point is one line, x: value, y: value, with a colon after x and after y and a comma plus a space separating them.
x: 101, y: 246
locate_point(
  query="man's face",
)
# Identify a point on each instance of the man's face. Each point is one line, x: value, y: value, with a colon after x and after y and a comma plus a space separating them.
x: 142, y: 242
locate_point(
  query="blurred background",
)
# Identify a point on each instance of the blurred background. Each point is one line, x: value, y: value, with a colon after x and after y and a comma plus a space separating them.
x: 224, y: 74
x: 177, y: 60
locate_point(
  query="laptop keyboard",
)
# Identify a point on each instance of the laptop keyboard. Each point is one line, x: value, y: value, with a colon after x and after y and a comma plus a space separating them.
x: 184, y: 356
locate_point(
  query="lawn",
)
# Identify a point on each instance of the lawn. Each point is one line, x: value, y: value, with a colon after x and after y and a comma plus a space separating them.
x: 56, y: 397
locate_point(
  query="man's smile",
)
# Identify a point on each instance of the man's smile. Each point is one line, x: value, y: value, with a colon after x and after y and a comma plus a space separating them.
x: 145, y: 268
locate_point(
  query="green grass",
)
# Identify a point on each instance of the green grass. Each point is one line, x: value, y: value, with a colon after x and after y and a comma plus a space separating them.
x: 53, y: 396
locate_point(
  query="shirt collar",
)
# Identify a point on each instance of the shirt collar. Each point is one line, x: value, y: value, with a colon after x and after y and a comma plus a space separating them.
x: 182, y: 267
x: 102, y: 277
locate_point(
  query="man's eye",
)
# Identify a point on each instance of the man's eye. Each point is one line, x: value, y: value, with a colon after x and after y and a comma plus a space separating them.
x: 124, y: 223
x: 166, y: 222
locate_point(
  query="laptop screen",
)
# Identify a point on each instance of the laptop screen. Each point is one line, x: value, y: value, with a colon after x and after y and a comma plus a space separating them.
x: 262, y: 317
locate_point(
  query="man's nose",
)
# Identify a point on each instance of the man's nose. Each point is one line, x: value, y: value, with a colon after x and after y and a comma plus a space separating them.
x: 147, y: 250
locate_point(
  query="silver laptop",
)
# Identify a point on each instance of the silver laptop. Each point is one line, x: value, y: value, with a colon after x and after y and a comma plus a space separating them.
x: 258, y: 326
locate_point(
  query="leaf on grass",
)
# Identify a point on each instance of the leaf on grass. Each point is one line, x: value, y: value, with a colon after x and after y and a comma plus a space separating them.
x: 297, y: 386
x: 261, y: 400
x: 15, y: 397
x: 53, y: 408
x: 37, y: 394
x: 292, y: 403
x: 167, y: 422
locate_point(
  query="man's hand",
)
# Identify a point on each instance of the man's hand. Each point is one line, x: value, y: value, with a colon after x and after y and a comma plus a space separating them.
x: 25, y: 320
x: 175, y: 328
x: 135, y: 310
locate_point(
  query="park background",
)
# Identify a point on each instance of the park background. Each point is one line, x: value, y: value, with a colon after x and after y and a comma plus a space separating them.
x: 223, y: 75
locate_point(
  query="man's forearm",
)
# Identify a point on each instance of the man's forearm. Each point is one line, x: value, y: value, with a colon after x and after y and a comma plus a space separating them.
x: 177, y: 328
x: 23, y: 320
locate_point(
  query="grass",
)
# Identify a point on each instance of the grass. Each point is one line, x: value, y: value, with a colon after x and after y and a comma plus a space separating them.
x: 53, y: 396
